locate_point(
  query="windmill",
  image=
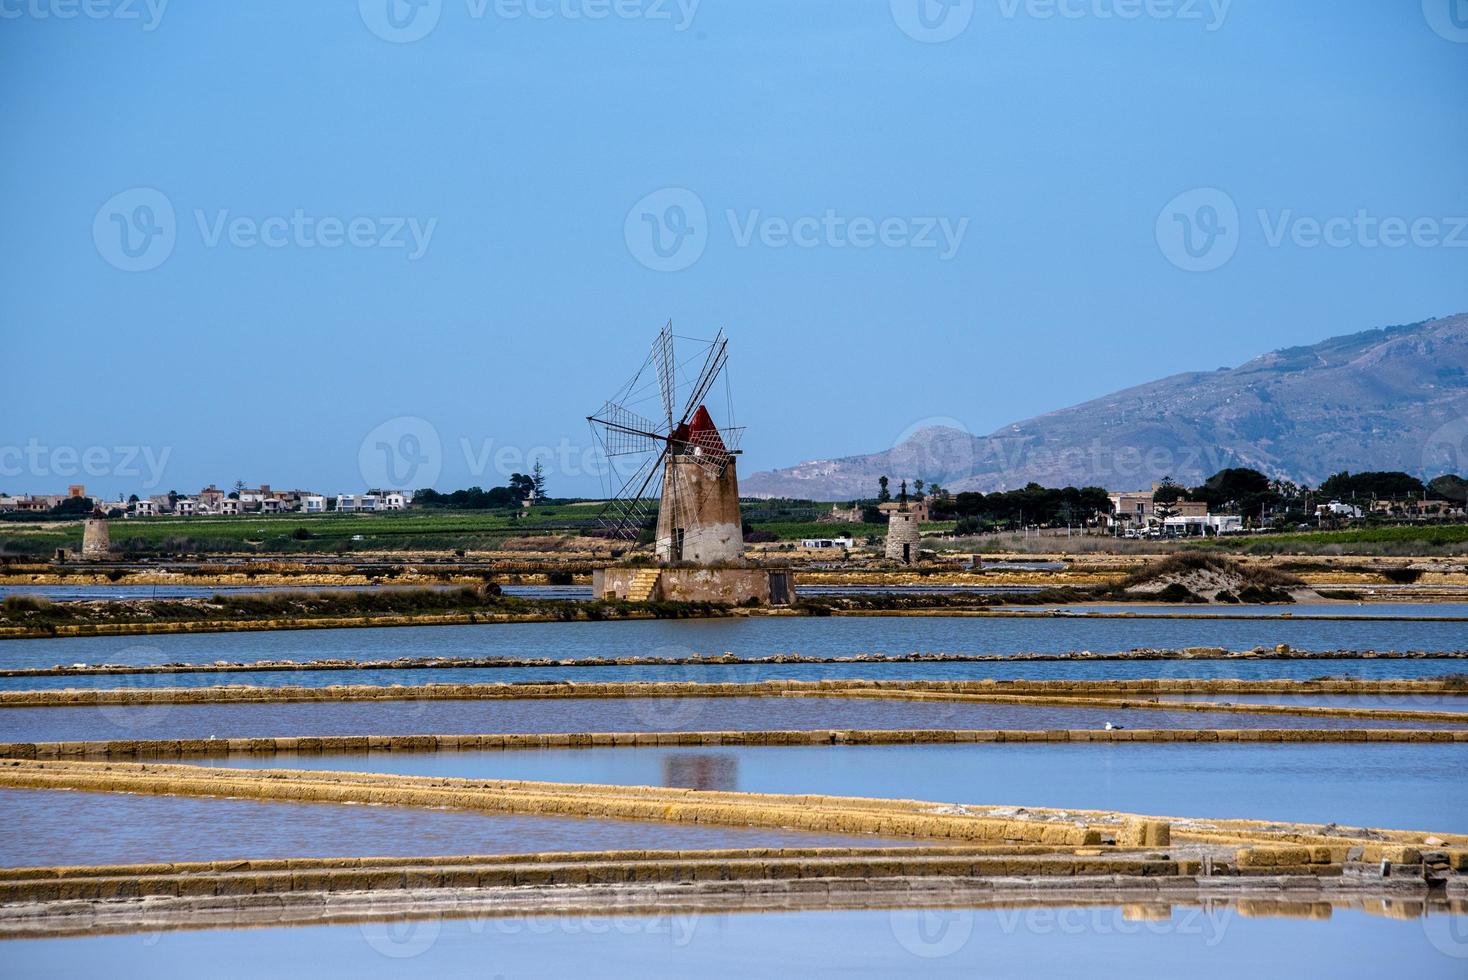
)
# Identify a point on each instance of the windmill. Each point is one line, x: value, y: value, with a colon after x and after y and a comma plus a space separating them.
x: 658, y: 429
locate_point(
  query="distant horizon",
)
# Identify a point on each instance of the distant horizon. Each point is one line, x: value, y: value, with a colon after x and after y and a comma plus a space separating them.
x: 151, y: 461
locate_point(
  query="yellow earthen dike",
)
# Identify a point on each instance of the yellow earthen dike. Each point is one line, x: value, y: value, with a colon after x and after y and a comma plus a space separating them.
x: 815, y: 812
x: 176, y: 748
x: 1102, y: 846
x: 1063, y: 692
x: 1034, y: 853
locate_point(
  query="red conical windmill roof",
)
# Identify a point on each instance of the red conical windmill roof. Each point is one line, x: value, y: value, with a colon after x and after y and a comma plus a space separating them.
x: 702, y: 432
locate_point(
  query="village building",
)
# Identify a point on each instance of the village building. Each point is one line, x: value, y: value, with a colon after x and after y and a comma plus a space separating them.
x: 917, y: 508
x: 1138, y: 509
x: 823, y: 543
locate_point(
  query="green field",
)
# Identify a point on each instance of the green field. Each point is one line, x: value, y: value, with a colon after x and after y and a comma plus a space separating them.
x: 302, y: 533
x: 796, y: 530
x: 1429, y: 536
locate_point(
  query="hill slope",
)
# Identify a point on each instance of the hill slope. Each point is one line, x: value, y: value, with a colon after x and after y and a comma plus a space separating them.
x: 1388, y: 399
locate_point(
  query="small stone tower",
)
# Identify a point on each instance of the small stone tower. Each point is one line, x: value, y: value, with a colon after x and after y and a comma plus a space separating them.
x: 902, y: 536
x: 96, y: 540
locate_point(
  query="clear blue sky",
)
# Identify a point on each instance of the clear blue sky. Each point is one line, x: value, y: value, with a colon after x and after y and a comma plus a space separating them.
x: 520, y: 145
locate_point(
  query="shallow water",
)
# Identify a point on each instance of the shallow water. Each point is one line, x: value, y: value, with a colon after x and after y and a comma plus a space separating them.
x: 1403, y: 702
x: 745, y: 673
x: 1043, y: 943
x: 1408, y: 787
x: 750, y: 637
x: 417, y: 717
x: 1375, y: 610
x: 77, y: 593
x: 48, y: 827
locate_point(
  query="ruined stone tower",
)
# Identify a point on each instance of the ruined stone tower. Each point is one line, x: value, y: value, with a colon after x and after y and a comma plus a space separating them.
x: 902, y: 536
x: 96, y: 540
x: 699, y: 520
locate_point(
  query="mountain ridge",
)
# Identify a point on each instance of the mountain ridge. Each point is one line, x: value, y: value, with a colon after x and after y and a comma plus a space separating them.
x: 1388, y: 398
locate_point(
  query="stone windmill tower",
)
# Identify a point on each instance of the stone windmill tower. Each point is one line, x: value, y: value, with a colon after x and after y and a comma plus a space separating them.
x: 683, y: 468
x: 96, y: 540
x: 904, y: 535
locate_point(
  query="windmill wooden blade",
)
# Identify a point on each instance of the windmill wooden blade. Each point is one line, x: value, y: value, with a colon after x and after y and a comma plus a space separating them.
x: 634, y: 506
x: 662, y: 353
x: 624, y: 432
x: 712, y: 365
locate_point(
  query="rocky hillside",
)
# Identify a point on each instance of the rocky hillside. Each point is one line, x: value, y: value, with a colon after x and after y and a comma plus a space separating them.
x: 1388, y: 399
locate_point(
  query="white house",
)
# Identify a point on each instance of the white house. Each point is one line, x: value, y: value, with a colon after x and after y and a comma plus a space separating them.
x: 186, y: 506
x: 313, y: 503
x: 145, y: 508
x: 230, y: 506
x: 1202, y: 526
x: 1337, y: 509
x: 392, y: 500
x: 827, y: 543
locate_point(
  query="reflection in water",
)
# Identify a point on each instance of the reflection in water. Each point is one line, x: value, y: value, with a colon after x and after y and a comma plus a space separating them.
x: 701, y: 770
x: 982, y: 938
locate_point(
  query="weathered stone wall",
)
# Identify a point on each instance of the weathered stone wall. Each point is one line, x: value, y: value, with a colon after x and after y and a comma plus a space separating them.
x: 903, y: 531
x: 96, y: 540
x: 705, y: 507
x: 731, y: 586
x: 337, y: 744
